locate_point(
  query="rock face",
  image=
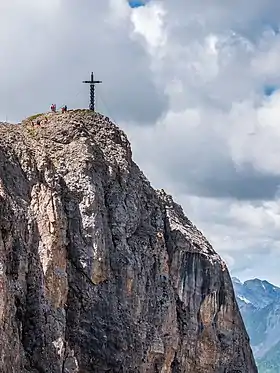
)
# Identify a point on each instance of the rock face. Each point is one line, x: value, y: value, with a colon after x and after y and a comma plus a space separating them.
x: 99, y: 272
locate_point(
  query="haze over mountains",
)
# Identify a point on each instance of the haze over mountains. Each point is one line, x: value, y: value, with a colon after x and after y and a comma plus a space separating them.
x: 259, y: 303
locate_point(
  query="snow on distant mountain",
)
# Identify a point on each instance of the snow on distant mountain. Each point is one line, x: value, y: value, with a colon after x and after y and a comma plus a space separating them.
x: 257, y: 292
x: 259, y: 303
x: 245, y: 300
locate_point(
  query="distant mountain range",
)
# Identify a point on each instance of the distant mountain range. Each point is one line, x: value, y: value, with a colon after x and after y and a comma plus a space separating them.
x: 259, y: 303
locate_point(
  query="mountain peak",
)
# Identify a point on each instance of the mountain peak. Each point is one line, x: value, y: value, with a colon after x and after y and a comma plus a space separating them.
x: 259, y: 302
x: 98, y: 271
x: 236, y: 280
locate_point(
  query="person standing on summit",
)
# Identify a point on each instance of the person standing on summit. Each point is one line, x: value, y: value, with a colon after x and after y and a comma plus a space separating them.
x: 64, y: 109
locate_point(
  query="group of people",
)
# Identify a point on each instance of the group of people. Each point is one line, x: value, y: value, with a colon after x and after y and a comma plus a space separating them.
x: 63, y: 109
x: 53, y: 109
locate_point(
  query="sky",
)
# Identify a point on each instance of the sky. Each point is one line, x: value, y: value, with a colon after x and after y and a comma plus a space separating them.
x: 136, y: 3
x: 195, y: 85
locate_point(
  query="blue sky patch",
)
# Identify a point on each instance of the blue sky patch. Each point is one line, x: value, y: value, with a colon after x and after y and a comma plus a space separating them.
x: 270, y: 89
x: 136, y: 3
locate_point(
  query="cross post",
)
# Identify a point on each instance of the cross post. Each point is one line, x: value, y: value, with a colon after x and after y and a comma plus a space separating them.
x: 92, y: 83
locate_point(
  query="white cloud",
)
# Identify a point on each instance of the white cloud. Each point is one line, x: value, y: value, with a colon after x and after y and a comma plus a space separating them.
x: 119, y: 11
x: 255, y: 134
x: 264, y: 216
x: 219, y: 122
x: 148, y: 21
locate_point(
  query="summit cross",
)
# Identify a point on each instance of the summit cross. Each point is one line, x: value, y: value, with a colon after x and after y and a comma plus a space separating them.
x: 92, y: 83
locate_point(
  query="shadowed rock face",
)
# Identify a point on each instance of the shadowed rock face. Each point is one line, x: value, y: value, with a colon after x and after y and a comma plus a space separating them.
x: 98, y: 271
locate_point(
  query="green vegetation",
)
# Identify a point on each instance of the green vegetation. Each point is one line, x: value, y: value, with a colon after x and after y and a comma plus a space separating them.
x: 84, y: 111
x: 32, y: 131
x: 33, y: 117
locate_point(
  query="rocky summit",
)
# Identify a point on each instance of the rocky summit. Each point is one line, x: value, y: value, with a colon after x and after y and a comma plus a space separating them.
x: 98, y: 271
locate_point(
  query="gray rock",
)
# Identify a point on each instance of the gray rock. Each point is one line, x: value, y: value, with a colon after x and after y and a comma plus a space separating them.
x: 98, y: 271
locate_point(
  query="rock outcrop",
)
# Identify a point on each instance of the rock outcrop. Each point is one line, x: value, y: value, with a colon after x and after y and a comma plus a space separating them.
x: 98, y: 271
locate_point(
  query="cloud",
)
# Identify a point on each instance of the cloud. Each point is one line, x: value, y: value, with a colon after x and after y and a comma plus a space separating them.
x: 48, y: 50
x: 194, y: 86
x: 218, y: 114
x: 219, y: 140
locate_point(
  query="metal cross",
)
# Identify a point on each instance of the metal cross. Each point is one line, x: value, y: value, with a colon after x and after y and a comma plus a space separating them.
x: 92, y: 83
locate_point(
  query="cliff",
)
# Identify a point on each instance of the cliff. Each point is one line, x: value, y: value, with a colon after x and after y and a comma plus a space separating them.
x: 98, y: 271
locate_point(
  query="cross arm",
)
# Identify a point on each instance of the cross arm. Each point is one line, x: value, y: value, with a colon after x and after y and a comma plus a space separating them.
x: 92, y: 82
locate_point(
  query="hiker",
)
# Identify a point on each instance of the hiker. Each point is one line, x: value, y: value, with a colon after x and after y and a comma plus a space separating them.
x: 53, y: 108
x: 64, y: 109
